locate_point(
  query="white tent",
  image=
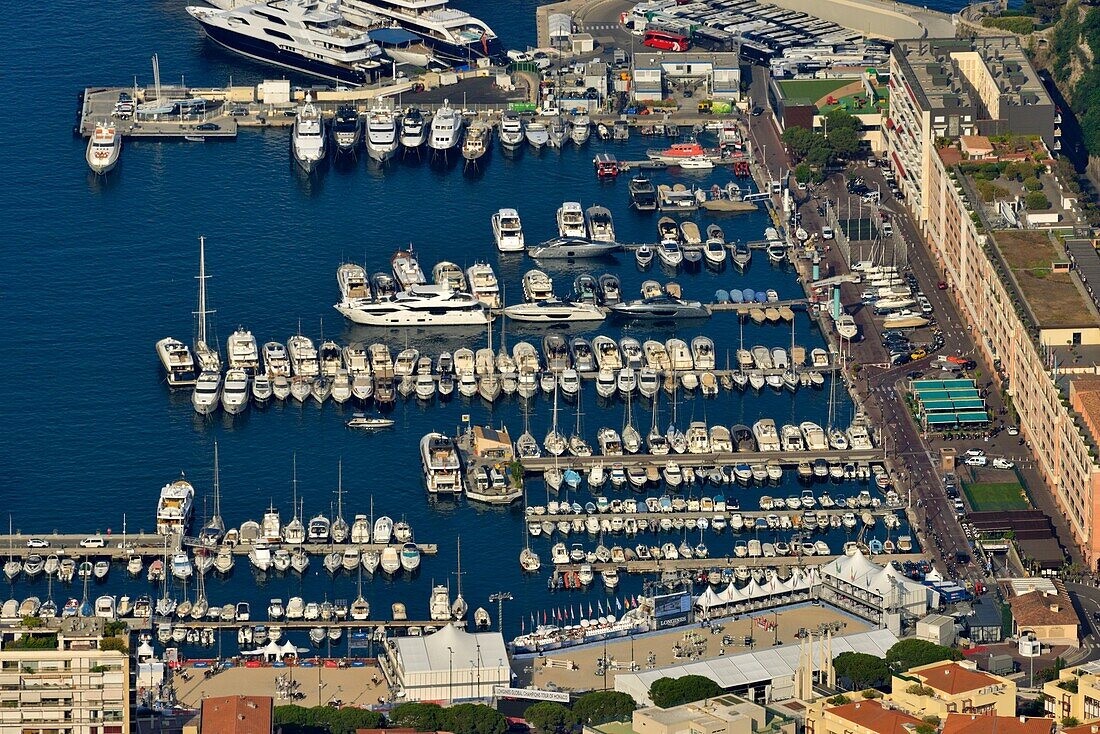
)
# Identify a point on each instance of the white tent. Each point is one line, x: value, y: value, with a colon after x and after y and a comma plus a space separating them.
x: 448, y: 665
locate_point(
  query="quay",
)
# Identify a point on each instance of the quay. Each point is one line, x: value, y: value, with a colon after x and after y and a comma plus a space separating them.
x: 786, y: 458
x: 705, y: 514
x: 98, y: 105
x: 713, y: 563
x: 285, y: 624
x: 152, y: 545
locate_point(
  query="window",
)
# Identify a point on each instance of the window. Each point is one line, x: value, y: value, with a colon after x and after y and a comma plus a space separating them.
x: 278, y: 34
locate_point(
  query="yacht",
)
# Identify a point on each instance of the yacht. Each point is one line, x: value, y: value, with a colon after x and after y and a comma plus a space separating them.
x: 599, y: 224
x: 442, y: 468
x: 511, y: 130
x: 414, y: 130
x: 177, y: 361
x: 582, y: 128
x: 571, y: 220
x: 452, y: 34
x: 307, y: 139
x: 313, y: 37
x: 450, y: 275
x: 537, y: 286
x: 446, y: 129
x: 104, y: 147
x: 766, y: 435
x: 347, y: 130
x: 406, y: 269
x: 382, y: 136
x: 643, y: 195
x: 235, y: 391
x: 536, y: 134
x: 275, y: 360
x: 478, y: 139
x: 241, y: 351
x: 174, y: 507
x: 420, y: 305
x: 507, y: 230
x: 483, y: 284
x: 554, y: 310
x: 661, y: 306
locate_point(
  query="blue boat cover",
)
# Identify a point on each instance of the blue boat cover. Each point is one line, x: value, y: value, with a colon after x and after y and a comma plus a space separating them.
x: 392, y: 36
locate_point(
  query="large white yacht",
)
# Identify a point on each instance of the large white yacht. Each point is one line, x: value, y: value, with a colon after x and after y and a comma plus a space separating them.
x: 104, y: 147
x: 241, y: 351
x: 767, y: 437
x: 382, y: 139
x: 207, y: 394
x: 420, y: 305
x: 508, y: 231
x: 174, y: 507
x: 414, y: 129
x: 179, y: 365
x: 571, y: 220
x: 511, y: 130
x: 446, y: 129
x: 307, y: 140
x: 442, y: 468
x: 235, y: 391
x: 454, y: 35
x: 483, y: 284
x: 310, y: 36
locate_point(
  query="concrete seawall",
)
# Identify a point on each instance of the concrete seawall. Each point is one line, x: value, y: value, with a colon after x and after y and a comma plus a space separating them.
x: 887, y: 20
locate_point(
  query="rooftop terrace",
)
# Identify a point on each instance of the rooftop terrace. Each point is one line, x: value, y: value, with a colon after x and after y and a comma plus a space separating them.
x: 1054, y: 298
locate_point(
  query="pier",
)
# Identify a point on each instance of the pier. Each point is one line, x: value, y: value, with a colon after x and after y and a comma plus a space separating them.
x: 785, y: 458
x: 152, y: 546
x: 653, y: 517
x: 722, y: 562
x: 99, y: 106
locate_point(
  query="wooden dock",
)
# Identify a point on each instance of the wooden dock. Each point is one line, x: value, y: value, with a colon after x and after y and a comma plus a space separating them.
x: 149, y: 545
x: 785, y: 458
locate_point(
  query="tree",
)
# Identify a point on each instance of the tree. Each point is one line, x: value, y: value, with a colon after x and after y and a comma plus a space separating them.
x: 668, y: 692
x: 475, y: 718
x: 348, y: 720
x: 551, y: 718
x: 420, y: 716
x: 861, y: 670
x: 803, y: 173
x: 844, y: 131
x: 798, y: 140
x: 908, y: 654
x: 1036, y: 201
x: 114, y: 643
x: 601, y: 707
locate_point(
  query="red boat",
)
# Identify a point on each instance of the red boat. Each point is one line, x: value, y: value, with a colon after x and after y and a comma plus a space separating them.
x: 678, y: 152
x: 606, y: 165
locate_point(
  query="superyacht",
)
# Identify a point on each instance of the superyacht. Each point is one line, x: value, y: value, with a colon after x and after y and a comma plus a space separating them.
x: 454, y: 35
x: 347, y: 130
x: 446, y: 129
x: 313, y: 37
x: 382, y: 134
x: 420, y: 305
x: 307, y: 139
x: 414, y: 130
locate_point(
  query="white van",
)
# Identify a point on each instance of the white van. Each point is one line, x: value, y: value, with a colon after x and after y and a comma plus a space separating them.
x: 887, y: 229
x: 976, y: 461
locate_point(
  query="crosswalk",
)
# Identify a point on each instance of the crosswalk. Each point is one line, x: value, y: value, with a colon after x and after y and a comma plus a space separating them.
x: 598, y: 26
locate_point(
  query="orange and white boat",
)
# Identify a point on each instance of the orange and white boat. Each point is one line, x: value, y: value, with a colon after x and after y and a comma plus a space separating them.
x: 678, y: 152
x: 104, y: 147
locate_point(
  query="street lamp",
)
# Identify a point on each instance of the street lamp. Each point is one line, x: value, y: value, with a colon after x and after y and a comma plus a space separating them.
x: 450, y: 668
x: 500, y: 597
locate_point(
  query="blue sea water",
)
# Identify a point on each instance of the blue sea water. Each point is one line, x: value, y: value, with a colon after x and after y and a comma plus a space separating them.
x: 97, y: 270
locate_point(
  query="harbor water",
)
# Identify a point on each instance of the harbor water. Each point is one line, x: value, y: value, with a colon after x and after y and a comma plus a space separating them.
x: 97, y: 270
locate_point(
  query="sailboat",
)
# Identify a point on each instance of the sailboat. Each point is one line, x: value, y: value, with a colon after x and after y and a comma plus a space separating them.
x: 632, y: 440
x: 12, y: 567
x: 676, y: 439
x: 207, y: 355
x: 339, y: 529
x: 554, y: 443
x: 529, y: 560
x: 360, y: 608
x: 656, y: 441
x: 577, y: 445
x: 527, y: 447
x: 215, y: 528
x: 201, y: 605
x: 459, y: 607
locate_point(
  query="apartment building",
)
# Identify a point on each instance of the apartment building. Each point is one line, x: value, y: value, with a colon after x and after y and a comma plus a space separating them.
x: 1076, y: 693
x: 944, y: 688
x: 1033, y: 321
x: 70, y: 687
x: 859, y: 717
x: 953, y: 87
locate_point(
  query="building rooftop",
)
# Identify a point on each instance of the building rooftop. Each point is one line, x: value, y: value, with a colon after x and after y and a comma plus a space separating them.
x: 1054, y: 298
x: 942, y: 85
x: 988, y: 724
x: 237, y: 715
x: 1042, y: 609
x: 953, y: 679
x: 871, y: 714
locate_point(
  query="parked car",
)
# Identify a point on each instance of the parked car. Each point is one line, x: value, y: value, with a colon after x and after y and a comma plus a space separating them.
x: 1000, y: 463
x: 95, y: 541
x: 974, y: 452
x: 38, y: 543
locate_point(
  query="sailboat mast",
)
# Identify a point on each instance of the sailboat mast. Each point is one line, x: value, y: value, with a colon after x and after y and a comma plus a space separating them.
x: 202, y: 290
x: 217, y: 491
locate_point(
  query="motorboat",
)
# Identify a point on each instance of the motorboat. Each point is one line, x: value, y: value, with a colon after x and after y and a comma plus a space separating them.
x: 846, y: 327
x: 382, y: 133
x: 414, y: 130
x: 572, y: 247
x: 104, y: 148
x: 643, y: 194
x: 554, y: 310
x: 599, y: 224
x: 537, y: 286
x: 449, y: 275
x: 661, y: 307
x: 347, y: 130
x: 484, y: 285
x: 536, y: 134
x: 742, y: 255
x: 307, y: 138
x: 478, y: 140
x: 174, y: 507
x: 309, y: 37
x: 446, y: 129
x: 420, y: 305
x: 670, y: 253
x: 581, y: 129
x: 442, y: 466
x: 570, y: 219
x: 206, y: 397
x: 507, y: 229
x: 178, y: 363
x: 511, y: 130
x: 611, y: 291
x: 235, y: 392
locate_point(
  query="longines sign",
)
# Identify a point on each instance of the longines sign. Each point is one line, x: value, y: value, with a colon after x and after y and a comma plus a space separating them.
x: 533, y: 694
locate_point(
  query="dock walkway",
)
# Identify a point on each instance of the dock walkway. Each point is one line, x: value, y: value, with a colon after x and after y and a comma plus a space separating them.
x: 785, y: 458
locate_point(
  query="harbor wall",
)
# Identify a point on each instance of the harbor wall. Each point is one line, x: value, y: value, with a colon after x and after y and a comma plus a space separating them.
x: 879, y: 19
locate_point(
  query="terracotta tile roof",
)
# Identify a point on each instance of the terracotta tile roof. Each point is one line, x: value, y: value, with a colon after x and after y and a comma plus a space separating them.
x: 874, y: 716
x: 1093, y: 728
x: 1036, y: 609
x: 987, y: 724
x: 952, y: 678
x: 236, y: 715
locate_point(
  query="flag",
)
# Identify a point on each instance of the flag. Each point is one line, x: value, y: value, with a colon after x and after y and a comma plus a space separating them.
x: 534, y: 621
x: 572, y: 614
x: 599, y: 606
x: 590, y: 613
x: 522, y: 624
x: 618, y: 606
x: 544, y: 616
